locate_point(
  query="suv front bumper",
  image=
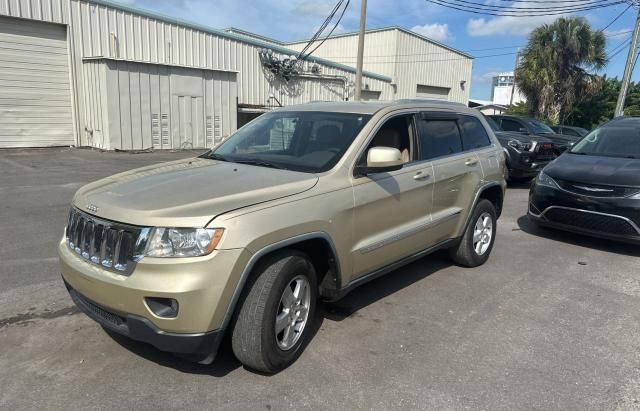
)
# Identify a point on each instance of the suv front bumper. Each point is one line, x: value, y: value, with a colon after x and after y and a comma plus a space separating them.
x: 203, y: 288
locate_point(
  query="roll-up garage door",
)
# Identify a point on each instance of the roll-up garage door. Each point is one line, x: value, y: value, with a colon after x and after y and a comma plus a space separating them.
x: 432, y: 92
x: 35, y: 97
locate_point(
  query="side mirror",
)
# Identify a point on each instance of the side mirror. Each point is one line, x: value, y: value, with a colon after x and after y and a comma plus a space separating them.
x: 383, y: 159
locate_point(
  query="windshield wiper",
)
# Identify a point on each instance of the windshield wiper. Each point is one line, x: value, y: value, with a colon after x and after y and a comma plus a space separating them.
x: 219, y: 157
x: 261, y: 163
x: 580, y: 153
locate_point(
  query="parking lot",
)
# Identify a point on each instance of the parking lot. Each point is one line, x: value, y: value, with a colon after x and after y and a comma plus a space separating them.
x: 550, y: 322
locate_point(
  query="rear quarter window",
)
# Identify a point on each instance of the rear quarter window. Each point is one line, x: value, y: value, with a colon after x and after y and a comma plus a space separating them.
x: 474, y: 135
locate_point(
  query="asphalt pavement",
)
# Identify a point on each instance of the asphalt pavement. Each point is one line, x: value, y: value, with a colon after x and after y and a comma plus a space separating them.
x: 552, y: 321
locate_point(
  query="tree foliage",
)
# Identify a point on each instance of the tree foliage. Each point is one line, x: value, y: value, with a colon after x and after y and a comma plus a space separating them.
x: 601, y: 107
x: 554, y: 69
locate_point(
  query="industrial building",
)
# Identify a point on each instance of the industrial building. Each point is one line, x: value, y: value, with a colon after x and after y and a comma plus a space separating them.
x: 101, y: 74
x: 418, y: 66
x: 502, y: 91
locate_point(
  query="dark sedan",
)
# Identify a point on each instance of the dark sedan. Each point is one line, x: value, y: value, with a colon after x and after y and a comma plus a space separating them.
x: 571, y: 131
x: 531, y: 126
x: 526, y: 155
x: 594, y: 188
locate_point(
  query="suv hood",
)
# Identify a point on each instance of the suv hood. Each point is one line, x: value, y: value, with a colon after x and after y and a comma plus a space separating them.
x: 187, y: 193
x: 610, y: 171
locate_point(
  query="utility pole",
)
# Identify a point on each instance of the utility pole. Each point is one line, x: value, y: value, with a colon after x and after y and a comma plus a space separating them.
x: 515, y: 68
x: 628, y: 69
x: 363, y: 20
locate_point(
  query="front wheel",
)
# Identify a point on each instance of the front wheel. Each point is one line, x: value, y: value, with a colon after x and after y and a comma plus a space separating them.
x: 275, y: 320
x: 477, y: 242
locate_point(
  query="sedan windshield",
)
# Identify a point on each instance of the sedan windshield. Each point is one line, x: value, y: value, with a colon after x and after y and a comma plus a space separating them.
x: 611, y: 141
x: 539, y: 127
x: 304, y: 141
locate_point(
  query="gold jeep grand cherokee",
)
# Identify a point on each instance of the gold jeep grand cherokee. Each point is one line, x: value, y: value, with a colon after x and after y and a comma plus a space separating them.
x: 304, y: 202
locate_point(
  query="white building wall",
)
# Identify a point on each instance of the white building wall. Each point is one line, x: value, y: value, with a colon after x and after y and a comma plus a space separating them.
x: 101, y: 29
x: 410, y: 59
x: 502, y: 95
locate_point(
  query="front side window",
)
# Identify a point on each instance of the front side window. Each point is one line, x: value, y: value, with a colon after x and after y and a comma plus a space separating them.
x: 623, y: 142
x: 474, y: 134
x: 439, y: 138
x: 396, y: 132
x: 304, y: 141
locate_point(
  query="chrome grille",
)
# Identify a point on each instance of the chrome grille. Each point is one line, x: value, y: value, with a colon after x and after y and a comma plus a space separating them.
x: 114, y: 246
x: 597, y: 190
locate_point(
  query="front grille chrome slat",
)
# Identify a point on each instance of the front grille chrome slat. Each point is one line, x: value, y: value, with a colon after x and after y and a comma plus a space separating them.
x: 111, y: 245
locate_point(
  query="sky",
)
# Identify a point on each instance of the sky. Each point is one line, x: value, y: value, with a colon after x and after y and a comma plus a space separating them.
x: 493, y: 41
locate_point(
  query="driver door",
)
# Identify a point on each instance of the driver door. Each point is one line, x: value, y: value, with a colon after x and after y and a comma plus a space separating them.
x: 392, y: 210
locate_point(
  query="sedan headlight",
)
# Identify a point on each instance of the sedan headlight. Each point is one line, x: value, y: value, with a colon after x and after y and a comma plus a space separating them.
x: 545, y: 180
x: 635, y: 196
x: 520, y: 145
x: 182, y: 242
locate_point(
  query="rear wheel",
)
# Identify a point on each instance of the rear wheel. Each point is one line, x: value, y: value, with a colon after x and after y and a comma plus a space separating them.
x: 477, y: 242
x: 275, y: 320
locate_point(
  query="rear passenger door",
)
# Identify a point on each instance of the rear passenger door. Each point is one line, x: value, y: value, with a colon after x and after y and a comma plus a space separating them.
x: 457, y: 172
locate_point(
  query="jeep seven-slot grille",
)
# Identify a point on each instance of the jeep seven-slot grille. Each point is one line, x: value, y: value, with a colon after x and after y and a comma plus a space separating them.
x: 105, y: 243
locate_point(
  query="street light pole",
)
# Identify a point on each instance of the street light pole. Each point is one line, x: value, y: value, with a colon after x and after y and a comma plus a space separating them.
x: 363, y: 19
x: 628, y: 69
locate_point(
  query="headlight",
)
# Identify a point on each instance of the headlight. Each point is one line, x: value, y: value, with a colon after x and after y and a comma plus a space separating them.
x: 635, y: 196
x: 519, y: 145
x: 182, y: 242
x: 545, y: 180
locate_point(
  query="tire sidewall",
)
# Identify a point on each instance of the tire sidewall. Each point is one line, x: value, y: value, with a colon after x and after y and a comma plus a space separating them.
x: 274, y: 356
x: 483, y: 206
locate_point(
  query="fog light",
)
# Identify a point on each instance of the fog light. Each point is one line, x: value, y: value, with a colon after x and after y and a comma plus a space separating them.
x: 162, y: 307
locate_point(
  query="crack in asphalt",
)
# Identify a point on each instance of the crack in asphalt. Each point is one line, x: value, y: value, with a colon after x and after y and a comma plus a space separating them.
x: 27, y: 318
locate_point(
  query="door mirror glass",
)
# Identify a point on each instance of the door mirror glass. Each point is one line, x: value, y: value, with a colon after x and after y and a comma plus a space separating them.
x: 382, y: 159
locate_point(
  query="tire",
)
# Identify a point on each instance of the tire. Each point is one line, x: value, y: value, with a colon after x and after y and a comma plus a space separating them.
x: 466, y: 252
x: 254, y: 339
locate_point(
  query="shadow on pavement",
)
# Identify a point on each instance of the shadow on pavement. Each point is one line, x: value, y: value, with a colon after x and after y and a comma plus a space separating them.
x: 580, y: 240
x: 380, y: 288
x: 361, y: 297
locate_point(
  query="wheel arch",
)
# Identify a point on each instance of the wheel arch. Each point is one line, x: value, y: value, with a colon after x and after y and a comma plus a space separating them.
x: 317, y: 245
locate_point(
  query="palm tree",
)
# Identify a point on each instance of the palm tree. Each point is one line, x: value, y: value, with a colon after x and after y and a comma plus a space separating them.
x: 554, y: 69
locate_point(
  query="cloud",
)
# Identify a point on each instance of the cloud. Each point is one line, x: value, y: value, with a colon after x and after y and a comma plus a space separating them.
x: 508, y: 25
x: 486, y: 77
x: 438, y: 32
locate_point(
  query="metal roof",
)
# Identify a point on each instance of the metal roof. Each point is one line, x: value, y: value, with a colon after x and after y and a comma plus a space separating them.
x: 231, y: 36
x: 388, y: 28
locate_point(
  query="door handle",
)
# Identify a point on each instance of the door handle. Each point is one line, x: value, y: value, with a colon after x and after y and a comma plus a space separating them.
x: 421, y: 176
x: 471, y: 162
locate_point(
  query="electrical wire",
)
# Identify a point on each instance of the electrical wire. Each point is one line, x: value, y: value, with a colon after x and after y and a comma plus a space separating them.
x: 330, y: 32
x: 324, y: 24
x: 506, y: 12
x: 619, y: 51
x: 616, y: 19
x: 471, y: 4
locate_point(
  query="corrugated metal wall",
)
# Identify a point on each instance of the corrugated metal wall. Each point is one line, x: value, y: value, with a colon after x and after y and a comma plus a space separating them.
x: 409, y: 59
x: 138, y: 106
x: 100, y: 29
x: 427, y: 64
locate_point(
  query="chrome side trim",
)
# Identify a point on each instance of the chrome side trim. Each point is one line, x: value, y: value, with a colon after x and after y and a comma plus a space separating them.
x: 408, y: 233
x: 262, y: 252
x: 625, y: 219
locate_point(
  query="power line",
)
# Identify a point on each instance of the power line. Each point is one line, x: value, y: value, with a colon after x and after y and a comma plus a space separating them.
x: 616, y: 19
x: 511, y: 8
x: 427, y: 61
x: 507, y: 12
x: 620, y: 50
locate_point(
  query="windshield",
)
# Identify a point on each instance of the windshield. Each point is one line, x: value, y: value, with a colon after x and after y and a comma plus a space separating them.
x: 539, y: 127
x: 304, y: 141
x: 621, y: 142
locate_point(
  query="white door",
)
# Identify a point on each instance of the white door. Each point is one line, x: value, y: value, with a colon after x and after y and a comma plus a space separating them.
x: 35, y: 97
